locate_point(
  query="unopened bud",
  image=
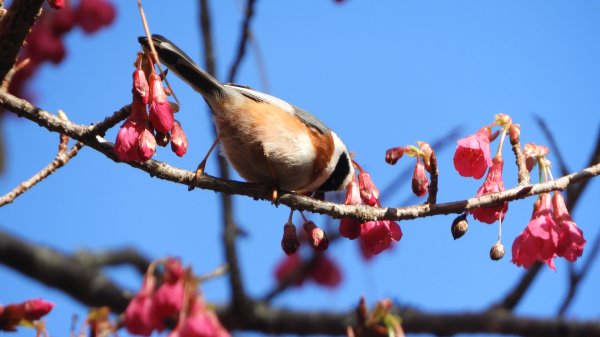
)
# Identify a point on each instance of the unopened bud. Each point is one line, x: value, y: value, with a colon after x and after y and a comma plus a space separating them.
x: 162, y: 139
x: 316, y: 236
x: 427, y: 152
x: 420, y: 183
x: 368, y: 191
x: 459, y: 226
x: 394, y: 154
x: 289, y: 242
x: 497, y: 251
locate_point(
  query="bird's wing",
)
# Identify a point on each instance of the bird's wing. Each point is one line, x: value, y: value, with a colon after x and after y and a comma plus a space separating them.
x: 303, y: 115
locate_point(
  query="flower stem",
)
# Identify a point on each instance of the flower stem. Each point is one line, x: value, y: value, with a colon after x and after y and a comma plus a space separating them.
x: 502, y: 136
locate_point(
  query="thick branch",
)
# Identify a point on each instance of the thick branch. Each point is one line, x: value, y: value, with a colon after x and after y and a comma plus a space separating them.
x: 164, y: 171
x: 85, y: 284
x: 14, y: 28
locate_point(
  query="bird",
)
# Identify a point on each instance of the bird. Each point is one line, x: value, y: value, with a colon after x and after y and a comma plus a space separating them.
x: 267, y: 140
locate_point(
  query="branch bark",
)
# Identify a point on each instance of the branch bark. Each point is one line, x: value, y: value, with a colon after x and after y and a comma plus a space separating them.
x: 14, y: 28
x: 164, y: 171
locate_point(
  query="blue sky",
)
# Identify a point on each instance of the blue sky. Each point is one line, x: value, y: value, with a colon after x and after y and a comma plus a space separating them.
x: 380, y: 74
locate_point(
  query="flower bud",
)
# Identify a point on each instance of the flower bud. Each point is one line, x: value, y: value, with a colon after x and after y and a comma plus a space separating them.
x: 162, y: 139
x: 427, y: 152
x: 289, y: 242
x: 140, y: 85
x: 368, y: 191
x: 394, y: 154
x: 316, y: 236
x: 497, y: 251
x: 420, y: 183
x: 57, y: 4
x: 179, y: 142
x: 459, y: 226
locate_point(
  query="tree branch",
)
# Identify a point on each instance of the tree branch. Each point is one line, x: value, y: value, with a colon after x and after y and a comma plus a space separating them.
x: 61, y: 159
x: 85, y: 284
x: 14, y: 28
x: 164, y: 171
x: 245, y: 36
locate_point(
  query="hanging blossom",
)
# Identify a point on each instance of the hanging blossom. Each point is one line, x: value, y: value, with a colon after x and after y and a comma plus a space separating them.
x: 150, y: 111
x: 539, y: 240
x: 472, y: 157
x: 154, y: 305
x: 323, y: 271
x: 551, y: 231
x: 493, y: 183
x: 375, y: 236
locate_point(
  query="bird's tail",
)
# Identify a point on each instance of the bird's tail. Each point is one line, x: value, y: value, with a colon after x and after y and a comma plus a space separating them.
x: 182, y: 65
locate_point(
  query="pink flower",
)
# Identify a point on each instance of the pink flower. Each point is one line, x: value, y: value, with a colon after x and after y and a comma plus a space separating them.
x: 326, y: 272
x: 420, y: 183
x: 472, y: 156
x: 138, y: 317
x: 539, y: 240
x: 287, y: 266
x: 570, y: 240
x: 37, y: 308
x: 146, y: 144
x: 179, y: 142
x: 161, y: 112
x: 126, y: 145
x: 317, y: 238
x: 94, y: 14
x: 56, y: 4
x: 168, y: 299
x: 202, y: 323
x: 368, y: 191
x: 493, y: 183
x: 376, y: 236
x: 349, y: 227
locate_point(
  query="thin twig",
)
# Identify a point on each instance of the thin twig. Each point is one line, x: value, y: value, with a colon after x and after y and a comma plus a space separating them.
x: 433, y: 174
x: 59, y: 161
x: 245, y: 36
x: 522, y: 172
x: 562, y: 164
x: 575, y: 277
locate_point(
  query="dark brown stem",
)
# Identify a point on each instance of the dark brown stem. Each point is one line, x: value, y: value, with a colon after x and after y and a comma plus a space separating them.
x: 433, y: 174
x: 230, y: 229
x: 245, y: 36
x: 523, y: 173
x: 14, y: 28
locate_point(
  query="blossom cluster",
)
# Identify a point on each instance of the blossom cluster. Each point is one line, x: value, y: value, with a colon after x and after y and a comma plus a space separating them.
x: 323, y: 271
x: 174, y: 298
x: 45, y: 41
x: 551, y: 232
x: 151, y: 121
x: 375, y: 236
x: 424, y: 155
x: 25, y: 313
